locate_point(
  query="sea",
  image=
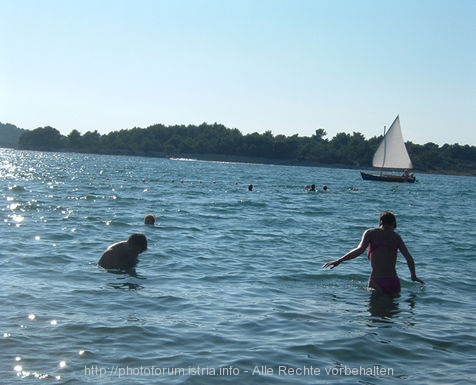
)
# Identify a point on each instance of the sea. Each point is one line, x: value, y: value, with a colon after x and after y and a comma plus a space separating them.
x: 231, y: 289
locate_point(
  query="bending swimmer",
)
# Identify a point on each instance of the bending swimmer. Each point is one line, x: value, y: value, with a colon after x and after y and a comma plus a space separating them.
x: 383, y: 243
x: 124, y: 254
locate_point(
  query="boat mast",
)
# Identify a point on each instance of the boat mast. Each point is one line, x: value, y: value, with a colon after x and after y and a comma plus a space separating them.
x: 384, y: 148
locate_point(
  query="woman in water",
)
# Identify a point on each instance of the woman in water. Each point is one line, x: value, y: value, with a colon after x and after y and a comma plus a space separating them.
x: 383, y: 243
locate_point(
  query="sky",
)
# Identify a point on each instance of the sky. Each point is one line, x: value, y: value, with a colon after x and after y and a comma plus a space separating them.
x: 285, y: 66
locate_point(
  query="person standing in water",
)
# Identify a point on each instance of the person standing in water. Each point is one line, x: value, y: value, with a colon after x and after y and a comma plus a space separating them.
x: 124, y: 254
x: 383, y: 244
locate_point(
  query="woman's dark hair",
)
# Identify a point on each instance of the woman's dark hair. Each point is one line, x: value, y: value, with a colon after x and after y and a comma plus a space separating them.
x: 388, y: 218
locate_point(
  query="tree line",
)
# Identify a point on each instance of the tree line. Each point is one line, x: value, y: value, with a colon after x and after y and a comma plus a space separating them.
x: 215, y: 141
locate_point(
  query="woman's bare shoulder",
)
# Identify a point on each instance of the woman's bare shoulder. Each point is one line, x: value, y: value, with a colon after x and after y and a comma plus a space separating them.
x: 371, y: 231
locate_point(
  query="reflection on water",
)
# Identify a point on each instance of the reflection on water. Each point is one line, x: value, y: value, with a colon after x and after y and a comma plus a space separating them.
x: 125, y: 285
x: 383, y: 307
x: 125, y: 275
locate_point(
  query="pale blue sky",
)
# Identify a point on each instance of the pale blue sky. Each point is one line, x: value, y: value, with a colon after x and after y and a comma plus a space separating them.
x: 287, y: 66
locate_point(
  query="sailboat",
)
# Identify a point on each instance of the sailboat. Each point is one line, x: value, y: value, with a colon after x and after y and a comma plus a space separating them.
x: 392, y: 154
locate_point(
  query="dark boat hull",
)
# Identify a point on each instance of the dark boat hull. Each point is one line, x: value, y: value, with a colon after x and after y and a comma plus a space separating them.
x: 388, y: 178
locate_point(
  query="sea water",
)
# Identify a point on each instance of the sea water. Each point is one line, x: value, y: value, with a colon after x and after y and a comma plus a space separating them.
x: 231, y: 289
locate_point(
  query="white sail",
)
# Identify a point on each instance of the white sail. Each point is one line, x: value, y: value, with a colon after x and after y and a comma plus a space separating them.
x: 392, y: 152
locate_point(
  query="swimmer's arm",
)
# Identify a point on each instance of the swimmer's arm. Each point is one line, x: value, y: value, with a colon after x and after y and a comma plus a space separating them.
x: 354, y: 253
x: 410, y: 261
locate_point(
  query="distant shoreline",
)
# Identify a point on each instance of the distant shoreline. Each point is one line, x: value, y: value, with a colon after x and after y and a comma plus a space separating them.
x: 215, y: 142
x: 278, y: 162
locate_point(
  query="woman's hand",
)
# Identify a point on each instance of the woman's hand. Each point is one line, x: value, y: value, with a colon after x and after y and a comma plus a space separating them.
x: 416, y: 279
x: 332, y: 264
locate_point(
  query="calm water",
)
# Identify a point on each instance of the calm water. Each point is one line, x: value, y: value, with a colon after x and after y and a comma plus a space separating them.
x: 231, y: 289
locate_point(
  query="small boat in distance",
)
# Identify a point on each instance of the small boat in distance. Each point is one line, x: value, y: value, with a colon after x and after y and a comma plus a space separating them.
x: 392, y: 154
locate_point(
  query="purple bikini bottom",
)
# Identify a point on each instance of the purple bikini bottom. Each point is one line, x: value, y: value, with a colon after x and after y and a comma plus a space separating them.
x: 387, y: 285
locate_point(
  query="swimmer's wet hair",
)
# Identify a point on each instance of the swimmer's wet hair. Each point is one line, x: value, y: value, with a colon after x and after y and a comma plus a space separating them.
x: 138, y: 241
x: 149, y: 219
x: 388, y: 218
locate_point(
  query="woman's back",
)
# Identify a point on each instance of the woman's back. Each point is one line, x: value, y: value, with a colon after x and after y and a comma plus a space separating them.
x: 383, y: 248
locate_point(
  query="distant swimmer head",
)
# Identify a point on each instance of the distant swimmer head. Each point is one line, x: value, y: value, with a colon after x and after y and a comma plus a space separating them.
x: 149, y: 219
x: 138, y: 241
x: 250, y: 187
x: 324, y: 187
x: 387, y: 218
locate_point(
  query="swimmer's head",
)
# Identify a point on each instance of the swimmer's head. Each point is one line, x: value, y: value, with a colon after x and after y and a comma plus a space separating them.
x: 387, y: 218
x: 138, y: 241
x: 149, y: 219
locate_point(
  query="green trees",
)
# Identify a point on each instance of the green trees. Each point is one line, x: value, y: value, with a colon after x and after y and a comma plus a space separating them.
x: 9, y: 135
x: 75, y: 140
x: 43, y: 138
x: 217, y: 140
